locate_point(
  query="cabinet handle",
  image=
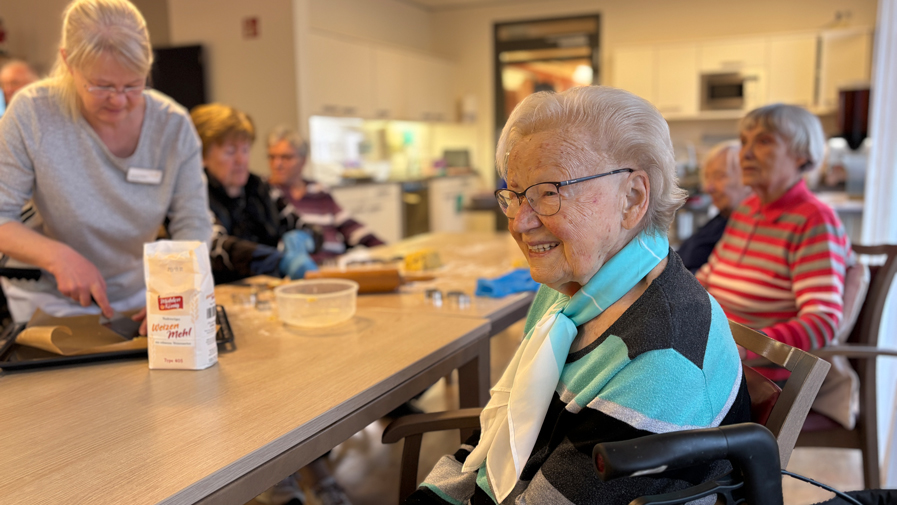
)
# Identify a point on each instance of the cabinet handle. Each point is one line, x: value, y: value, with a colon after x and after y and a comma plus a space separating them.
x: 348, y: 110
x: 329, y: 109
x: 383, y: 113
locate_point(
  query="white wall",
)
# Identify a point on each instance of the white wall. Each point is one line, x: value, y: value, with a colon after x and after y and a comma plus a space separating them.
x: 33, y: 27
x: 387, y: 21
x: 257, y: 75
x: 465, y: 34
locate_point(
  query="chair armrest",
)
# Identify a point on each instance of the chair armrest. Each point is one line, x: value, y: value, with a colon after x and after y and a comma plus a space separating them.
x: 417, y: 424
x: 854, y: 351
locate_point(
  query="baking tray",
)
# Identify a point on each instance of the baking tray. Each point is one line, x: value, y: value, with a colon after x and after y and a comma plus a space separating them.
x: 19, y: 357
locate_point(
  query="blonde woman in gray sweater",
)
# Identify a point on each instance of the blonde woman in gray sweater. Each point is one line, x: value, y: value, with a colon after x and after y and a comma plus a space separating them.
x: 104, y: 162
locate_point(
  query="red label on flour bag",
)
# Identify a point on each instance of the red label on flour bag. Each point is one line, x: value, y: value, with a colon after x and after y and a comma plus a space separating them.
x: 171, y: 302
x: 180, y: 305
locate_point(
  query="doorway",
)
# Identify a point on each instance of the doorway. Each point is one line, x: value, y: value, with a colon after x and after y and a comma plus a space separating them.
x: 543, y: 55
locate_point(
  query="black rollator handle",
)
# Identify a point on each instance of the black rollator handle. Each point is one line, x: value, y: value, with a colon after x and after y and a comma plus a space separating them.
x: 750, y: 447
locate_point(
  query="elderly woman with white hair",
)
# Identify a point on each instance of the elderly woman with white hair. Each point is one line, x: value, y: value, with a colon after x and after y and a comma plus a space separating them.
x: 334, y: 229
x: 621, y: 340
x: 780, y: 264
x: 721, y: 179
x: 105, y: 161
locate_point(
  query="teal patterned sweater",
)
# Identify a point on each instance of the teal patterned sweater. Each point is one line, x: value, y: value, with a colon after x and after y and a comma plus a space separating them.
x: 668, y: 363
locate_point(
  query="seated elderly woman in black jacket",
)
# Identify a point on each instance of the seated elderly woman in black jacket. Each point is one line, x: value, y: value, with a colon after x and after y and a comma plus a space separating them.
x: 249, y: 223
x: 621, y: 340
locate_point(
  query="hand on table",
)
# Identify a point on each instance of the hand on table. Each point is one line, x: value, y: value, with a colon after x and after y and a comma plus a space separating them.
x: 78, y: 279
x: 140, y: 316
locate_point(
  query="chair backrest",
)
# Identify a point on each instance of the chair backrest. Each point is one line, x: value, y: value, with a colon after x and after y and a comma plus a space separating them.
x: 868, y: 323
x: 791, y: 407
x: 856, y: 285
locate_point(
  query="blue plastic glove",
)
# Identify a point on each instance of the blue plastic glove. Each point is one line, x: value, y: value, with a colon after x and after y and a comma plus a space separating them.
x: 296, y: 260
x: 513, y: 282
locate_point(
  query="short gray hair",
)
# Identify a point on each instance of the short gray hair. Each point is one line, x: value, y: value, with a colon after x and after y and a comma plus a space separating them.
x: 623, y: 129
x: 800, y: 129
x: 91, y: 28
x: 283, y: 132
x: 727, y: 148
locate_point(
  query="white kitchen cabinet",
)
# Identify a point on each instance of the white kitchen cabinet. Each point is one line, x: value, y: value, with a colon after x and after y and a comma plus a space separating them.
x: 340, y: 80
x: 738, y: 55
x: 448, y: 198
x: 377, y: 206
x: 635, y: 71
x: 390, y: 84
x: 845, y: 61
x: 429, y: 95
x: 349, y: 78
x: 677, y: 83
x: 791, y: 71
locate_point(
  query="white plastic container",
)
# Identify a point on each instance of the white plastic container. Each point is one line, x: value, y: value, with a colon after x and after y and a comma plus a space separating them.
x: 316, y: 303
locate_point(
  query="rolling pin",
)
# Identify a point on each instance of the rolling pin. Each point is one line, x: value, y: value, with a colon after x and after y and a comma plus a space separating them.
x: 375, y: 280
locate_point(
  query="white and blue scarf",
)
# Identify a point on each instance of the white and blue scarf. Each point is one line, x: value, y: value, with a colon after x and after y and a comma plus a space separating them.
x: 512, y: 419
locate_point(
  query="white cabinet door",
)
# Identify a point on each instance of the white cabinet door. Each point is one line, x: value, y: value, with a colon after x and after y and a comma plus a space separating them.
x: 390, y: 87
x: 635, y: 71
x: 791, y: 77
x: 448, y: 197
x: 429, y: 96
x: 377, y: 206
x: 340, y: 77
x: 845, y: 61
x: 732, y: 55
x: 677, y: 80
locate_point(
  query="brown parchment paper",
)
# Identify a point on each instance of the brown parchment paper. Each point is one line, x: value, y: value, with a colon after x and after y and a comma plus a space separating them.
x: 74, y: 336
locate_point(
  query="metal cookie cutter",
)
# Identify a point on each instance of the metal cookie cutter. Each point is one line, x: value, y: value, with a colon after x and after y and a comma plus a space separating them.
x: 459, y: 298
x: 434, y: 296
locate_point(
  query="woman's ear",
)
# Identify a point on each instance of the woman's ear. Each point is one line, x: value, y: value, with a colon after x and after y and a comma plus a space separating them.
x: 637, y: 189
x: 65, y: 59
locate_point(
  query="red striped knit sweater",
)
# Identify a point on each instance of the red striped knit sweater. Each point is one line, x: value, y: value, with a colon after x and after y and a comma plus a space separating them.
x: 780, y: 268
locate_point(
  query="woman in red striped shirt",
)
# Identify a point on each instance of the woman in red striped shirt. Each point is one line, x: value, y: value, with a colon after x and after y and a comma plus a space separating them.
x: 780, y: 264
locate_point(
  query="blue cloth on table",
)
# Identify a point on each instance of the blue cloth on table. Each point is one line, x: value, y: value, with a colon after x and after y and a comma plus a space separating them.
x: 513, y: 282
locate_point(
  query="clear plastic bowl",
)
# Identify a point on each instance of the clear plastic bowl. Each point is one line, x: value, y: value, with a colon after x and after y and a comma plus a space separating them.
x: 316, y: 303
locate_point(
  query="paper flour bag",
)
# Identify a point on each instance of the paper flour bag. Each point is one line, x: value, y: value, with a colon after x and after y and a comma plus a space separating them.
x: 180, y: 305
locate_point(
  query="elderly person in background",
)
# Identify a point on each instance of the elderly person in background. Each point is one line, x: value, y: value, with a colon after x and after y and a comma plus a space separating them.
x: 721, y: 179
x: 15, y: 75
x: 334, y: 228
x: 621, y: 340
x: 105, y: 161
x: 250, y: 226
x: 780, y: 265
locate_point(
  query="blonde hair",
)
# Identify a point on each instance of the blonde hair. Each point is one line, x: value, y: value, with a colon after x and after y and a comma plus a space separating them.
x: 622, y: 129
x: 217, y: 123
x: 92, y: 28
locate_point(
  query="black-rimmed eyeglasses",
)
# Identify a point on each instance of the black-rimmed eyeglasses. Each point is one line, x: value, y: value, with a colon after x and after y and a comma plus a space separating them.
x: 543, y: 197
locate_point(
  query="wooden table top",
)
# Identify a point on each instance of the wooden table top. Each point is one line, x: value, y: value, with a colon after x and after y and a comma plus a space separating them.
x: 465, y: 258
x: 120, y: 433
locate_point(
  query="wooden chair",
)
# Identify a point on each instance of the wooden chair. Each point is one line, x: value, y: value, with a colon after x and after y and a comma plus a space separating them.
x: 782, y: 411
x: 861, y: 347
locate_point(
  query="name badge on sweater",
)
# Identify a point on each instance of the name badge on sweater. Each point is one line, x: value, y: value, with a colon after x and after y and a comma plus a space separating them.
x: 144, y: 176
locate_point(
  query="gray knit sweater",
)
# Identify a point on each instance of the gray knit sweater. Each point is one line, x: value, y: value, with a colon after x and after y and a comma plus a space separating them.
x: 80, y: 190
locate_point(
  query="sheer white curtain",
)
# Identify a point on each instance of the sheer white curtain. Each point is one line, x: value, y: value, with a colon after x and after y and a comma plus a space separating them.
x: 880, y: 213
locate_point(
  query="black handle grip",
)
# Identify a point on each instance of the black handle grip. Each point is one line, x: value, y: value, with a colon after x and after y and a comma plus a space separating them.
x: 750, y: 447
x: 28, y: 274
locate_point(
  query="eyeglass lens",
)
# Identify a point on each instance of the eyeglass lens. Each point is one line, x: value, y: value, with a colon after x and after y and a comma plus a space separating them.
x: 543, y: 198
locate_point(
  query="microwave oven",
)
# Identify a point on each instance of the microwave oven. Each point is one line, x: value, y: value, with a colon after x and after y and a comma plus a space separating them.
x: 726, y: 91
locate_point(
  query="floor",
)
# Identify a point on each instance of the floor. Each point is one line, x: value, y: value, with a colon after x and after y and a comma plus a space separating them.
x: 368, y: 470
